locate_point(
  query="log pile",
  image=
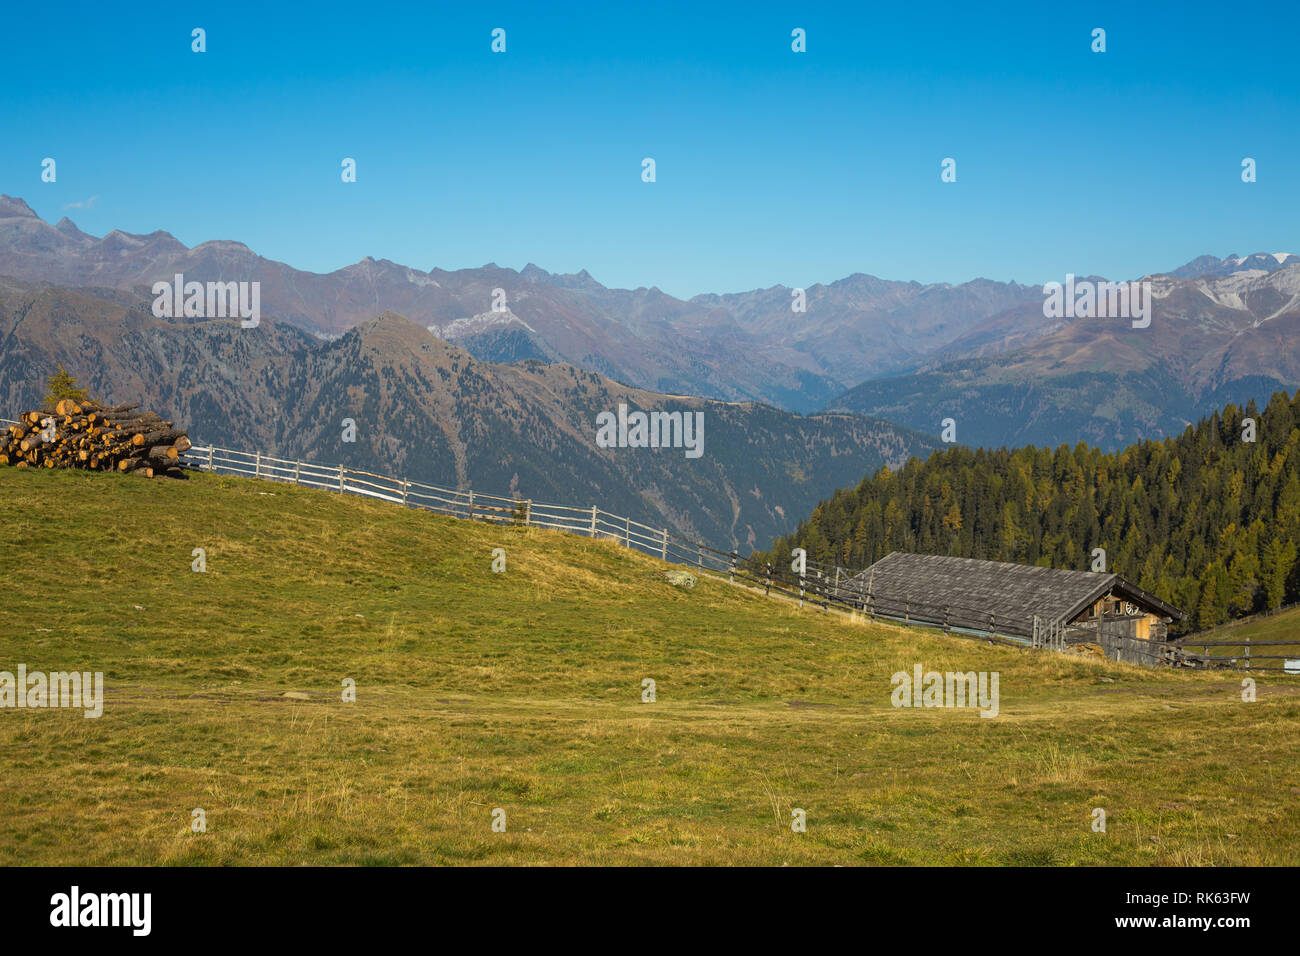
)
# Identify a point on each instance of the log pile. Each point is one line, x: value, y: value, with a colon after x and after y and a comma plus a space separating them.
x: 87, y: 435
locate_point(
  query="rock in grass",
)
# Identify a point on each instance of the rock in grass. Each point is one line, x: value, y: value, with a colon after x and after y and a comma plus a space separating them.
x: 680, y: 579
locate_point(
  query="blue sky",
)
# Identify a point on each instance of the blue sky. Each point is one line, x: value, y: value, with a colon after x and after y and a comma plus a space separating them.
x: 773, y: 167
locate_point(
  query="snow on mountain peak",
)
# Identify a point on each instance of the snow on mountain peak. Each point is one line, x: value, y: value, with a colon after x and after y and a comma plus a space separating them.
x: 483, y: 322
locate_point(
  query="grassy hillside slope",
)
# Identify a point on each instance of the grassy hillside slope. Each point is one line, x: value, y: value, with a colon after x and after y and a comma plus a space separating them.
x: 1283, y: 626
x: 522, y: 691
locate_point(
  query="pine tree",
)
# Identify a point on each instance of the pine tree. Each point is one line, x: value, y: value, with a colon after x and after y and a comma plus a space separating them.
x: 1279, y: 559
x: 61, y: 385
x: 1213, y: 603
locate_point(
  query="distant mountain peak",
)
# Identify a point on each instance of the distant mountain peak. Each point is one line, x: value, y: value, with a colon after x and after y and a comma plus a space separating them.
x: 13, y: 207
x: 462, y: 328
x: 388, y: 317
x: 69, y: 228
x: 218, y: 245
x: 581, y: 281
x: 390, y: 328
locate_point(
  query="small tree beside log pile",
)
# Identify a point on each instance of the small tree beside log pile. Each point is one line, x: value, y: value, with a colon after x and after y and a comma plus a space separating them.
x: 85, y: 434
x: 61, y: 385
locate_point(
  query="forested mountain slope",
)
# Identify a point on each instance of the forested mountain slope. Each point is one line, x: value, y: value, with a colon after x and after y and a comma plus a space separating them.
x: 1207, y: 520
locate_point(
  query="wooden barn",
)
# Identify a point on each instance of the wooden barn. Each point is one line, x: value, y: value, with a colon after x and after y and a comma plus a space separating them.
x: 1033, y: 604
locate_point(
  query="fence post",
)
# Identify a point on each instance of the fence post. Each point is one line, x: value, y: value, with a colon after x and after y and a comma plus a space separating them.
x: 593, y: 521
x: 528, y: 515
x: 257, y: 465
x: 664, y: 550
x: 1248, y: 653
x: 731, y: 574
x: 209, y: 458
x: 405, y: 484
x: 627, y: 532
x: 471, y: 504
x: 767, y: 588
x: 699, y: 555
x: 340, y: 479
x: 297, y: 471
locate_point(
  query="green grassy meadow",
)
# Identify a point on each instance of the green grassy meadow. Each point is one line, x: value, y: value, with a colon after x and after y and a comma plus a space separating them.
x: 523, y: 691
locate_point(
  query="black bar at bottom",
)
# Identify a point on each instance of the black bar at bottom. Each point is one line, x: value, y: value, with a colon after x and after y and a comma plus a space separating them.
x: 970, y: 906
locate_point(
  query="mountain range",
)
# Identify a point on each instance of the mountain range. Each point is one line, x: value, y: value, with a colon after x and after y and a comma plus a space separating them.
x: 1020, y: 378
x: 749, y: 346
x: 1213, y: 266
x: 981, y: 352
x: 428, y: 410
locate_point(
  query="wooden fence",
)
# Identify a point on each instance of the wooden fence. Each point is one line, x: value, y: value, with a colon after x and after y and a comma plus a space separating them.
x: 1245, y: 660
x: 820, y: 585
x: 462, y: 503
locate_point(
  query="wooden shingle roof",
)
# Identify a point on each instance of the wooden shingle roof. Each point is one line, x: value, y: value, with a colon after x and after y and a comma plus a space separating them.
x: 971, y: 593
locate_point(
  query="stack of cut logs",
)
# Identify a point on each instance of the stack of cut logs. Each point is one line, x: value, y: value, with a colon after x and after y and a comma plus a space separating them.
x: 88, y: 435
